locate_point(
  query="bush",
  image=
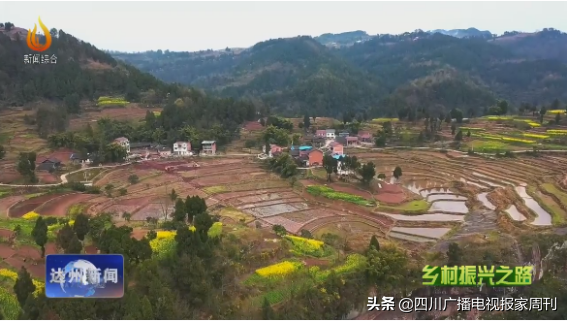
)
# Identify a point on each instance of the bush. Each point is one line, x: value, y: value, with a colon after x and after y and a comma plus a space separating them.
x: 76, y: 186
x: 50, y: 220
x: 133, y: 179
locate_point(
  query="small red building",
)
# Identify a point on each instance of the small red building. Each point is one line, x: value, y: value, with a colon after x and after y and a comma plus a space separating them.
x: 365, y: 137
x: 321, y: 133
x: 209, y: 147
x: 315, y: 158
x: 336, y: 148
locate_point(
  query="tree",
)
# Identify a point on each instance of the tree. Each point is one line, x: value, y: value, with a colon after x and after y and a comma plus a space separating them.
x: 330, y: 165
x: 108, y: 188
x: 459, y: 136
x: 127, y: 216
x: 397, y: 172
x: 306, y: 122
x: 180, y: 212
x: 453, y: 129
x: 75, y: 246
x: 123, y: 191
x: 454, y: 254
x: 250, y: 143
x: 279, y: 230
x: 557, y: 118
x: 72, y: 103
x: 39, y: 234
x: 374, y: 244
x: 542, y: 113
x: 380, y: 140
x: 133, y: 179
x: 267, y: 311
x: 306, y: 234
x: 503, y: 106
x: 64, y: 236
x: 367, y: 171
x: 173, y: 195
x: 23, y: 286
x: 468, y: 133
x: 2, y: 152
x: 26, y: 166
x: 81, y: 226
x: 555, y: 105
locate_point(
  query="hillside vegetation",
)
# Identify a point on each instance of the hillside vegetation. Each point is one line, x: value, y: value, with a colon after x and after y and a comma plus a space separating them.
x: 299, y: 75
x: 88, y: 83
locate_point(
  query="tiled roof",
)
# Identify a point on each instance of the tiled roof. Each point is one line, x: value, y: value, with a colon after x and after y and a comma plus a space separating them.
x: 208, y: 142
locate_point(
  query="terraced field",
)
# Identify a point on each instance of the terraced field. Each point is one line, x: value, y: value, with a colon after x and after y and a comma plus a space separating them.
x: 450, y: 195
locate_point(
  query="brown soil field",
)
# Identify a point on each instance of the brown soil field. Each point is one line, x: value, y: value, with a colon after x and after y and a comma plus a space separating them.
x: 6, y: 251
x: 46, y: 178
x: 227, y: 179
x: 8, y: 176
x: 139, y: 233
x: 131, y: 112
x: 60, y: 206
x: 7, y: 202
x: 230, y: 195
x: 389, y: 193
x: 62, y: 154
x: 151, y: 210
x: 26, y: 206
x: 315, y: 262
x: 6, y: 234
x: 224, y: 170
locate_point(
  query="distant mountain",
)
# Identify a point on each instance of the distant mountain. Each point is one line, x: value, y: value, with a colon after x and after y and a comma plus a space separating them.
x: 383, y: 74
x: 464, y: 33
x: 343, y: 39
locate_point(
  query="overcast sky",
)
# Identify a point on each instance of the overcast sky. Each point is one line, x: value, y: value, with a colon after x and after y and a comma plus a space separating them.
x: 190, y: 26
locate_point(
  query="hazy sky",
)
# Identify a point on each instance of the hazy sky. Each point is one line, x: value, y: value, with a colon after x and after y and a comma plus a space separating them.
x: 189, y: 26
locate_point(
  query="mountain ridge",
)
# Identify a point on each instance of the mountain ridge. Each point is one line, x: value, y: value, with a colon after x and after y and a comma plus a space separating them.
x: 301, y: 75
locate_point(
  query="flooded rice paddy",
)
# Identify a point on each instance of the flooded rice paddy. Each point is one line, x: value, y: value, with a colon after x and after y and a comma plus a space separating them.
x: 515, y: 214
x: 432, y: 217
x: 449, y: 206
x: 425, y: 232
x: 485, y: 202
x: 542, y: 216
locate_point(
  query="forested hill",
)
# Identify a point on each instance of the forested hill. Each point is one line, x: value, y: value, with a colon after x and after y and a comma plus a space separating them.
x: 83, y: 74
x: 80, y: 69
x: 292, y: 75
x: 441, y: 72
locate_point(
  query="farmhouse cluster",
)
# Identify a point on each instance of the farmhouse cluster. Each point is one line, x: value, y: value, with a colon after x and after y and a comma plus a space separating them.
x: 152, y: 150
x: 323, y: 142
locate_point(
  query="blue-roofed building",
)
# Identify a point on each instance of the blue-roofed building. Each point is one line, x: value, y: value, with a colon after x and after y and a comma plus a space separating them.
x: 304, y: 148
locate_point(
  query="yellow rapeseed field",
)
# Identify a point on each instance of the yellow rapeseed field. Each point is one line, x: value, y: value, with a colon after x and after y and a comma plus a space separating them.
x: 9, y: 274
x: 31, y: 216
x: 5, y: 273
x: 556, y: 111
x: 280, y: 269
x: 535, y: 136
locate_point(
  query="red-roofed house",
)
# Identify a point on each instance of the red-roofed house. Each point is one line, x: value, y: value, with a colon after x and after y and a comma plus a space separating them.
x: 274, y: 150
x: 336, y: 148
x: 351, y: 141
x: 365, y: 137
x: 315, y: 158
x: 321, y: 133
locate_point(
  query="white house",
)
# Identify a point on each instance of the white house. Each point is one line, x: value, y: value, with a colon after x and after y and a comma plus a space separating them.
x: 124, y: 142
x: 182, y: 148
x: 330, y: 133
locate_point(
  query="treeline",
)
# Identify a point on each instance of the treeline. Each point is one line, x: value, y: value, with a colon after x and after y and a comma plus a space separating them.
x: 194, y: 117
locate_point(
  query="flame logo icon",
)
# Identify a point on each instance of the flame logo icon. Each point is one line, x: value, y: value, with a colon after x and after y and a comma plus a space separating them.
x: 33, y: 39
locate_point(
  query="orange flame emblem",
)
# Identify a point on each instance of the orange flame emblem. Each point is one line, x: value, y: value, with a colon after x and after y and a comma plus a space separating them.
x: 33, y: 39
